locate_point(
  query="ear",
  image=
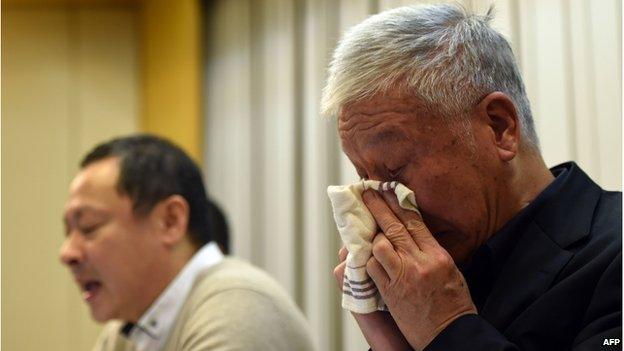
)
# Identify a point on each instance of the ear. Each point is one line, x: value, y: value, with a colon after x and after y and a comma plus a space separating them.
x: 172, y: 216
x: 501, y: 115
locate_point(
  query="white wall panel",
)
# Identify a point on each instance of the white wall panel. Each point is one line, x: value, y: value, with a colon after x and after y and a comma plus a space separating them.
x: 606, y: 35
x: 229, y: 179
x: 279, y: 139
x: 582, y: 79
x: 319, y: 160
x: 550, y: 108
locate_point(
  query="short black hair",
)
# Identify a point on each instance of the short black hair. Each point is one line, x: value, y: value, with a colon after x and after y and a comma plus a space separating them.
x: 152, y: 169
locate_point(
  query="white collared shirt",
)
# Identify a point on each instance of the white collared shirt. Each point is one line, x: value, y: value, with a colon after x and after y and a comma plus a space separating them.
x: 153, y: 328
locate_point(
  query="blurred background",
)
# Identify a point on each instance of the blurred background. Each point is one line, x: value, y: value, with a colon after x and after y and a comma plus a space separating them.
x: 237, y: 83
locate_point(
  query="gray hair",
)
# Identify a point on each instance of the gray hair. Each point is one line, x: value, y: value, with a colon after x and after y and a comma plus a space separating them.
x: 442, y: 55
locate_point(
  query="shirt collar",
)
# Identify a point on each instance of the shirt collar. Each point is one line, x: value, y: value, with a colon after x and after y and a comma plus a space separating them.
x: 152, y: 329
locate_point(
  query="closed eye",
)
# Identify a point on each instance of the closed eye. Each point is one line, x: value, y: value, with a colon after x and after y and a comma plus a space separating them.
x: 85, y: 219
x: 88, y: 229
x: 395, y: 173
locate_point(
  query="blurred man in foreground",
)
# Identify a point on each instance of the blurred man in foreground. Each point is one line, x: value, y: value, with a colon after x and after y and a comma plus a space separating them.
x: 508, y: 255
x: 139, y: 244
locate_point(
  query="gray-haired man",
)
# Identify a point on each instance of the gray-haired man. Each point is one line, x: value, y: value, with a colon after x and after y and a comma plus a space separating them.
x: 508, y: 255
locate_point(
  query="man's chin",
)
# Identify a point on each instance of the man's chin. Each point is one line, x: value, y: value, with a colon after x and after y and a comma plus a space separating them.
x: 99, y: 317
x: 452, y: 242
x: 101, y: 314
x: 442, y: 236
x: 447, y: 239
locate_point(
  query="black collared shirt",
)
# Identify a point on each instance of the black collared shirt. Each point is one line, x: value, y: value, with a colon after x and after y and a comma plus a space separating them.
x: 489, y: 260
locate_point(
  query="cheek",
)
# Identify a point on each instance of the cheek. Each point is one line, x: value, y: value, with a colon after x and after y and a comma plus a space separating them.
x: 447, y: 199
x: 112, y: 257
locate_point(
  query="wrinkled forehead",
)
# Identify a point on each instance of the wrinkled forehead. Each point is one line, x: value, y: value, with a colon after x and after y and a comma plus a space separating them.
x: 379, y: 108
x: 378, y: 104
x: 379, y: 114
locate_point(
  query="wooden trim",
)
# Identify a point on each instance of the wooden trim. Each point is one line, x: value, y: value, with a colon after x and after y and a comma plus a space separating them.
x: 171, y: 65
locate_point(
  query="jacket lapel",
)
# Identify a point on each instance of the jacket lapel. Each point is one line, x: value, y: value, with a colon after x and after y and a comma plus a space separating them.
x: 540, y: 253
x: 536, y: 262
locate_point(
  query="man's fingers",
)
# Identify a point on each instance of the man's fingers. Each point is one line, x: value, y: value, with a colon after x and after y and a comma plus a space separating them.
x: 377, y: 273
x: 387, y: 221
x: 384, y: 253
x: 340, y: 268
x: 412, y: 221
x: 342, y: 253
x: 339, y: 273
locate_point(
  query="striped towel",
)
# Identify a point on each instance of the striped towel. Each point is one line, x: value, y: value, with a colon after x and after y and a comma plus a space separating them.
x: 357, y: 227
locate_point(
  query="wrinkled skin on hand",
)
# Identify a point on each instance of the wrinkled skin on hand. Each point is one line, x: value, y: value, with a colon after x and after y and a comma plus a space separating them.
x: 417, y: 278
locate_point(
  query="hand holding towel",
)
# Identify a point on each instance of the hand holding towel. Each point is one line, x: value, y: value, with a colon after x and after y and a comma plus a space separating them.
x: 357, y: 229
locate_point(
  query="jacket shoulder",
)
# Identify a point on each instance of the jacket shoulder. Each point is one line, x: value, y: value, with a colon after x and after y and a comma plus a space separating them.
x: 605, y: 236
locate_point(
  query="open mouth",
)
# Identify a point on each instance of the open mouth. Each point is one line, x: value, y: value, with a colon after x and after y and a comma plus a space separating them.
x: 90, y: 289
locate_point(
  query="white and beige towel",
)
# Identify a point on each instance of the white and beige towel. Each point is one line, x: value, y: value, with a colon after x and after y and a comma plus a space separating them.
x: 357, y: 227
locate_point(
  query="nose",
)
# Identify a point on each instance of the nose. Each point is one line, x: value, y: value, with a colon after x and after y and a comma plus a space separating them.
x: 71, y: 253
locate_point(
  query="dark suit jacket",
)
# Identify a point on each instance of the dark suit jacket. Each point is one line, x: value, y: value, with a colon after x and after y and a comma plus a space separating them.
x: 561, y: 287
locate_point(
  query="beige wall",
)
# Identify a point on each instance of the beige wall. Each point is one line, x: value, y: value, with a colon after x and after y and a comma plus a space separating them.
x: 69, y: 80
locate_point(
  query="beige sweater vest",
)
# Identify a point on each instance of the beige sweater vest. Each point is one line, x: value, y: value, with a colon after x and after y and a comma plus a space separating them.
x: 232, y: 306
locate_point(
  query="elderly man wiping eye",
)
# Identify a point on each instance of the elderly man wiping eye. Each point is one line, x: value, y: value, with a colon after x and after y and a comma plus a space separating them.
x: 508, y: 254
